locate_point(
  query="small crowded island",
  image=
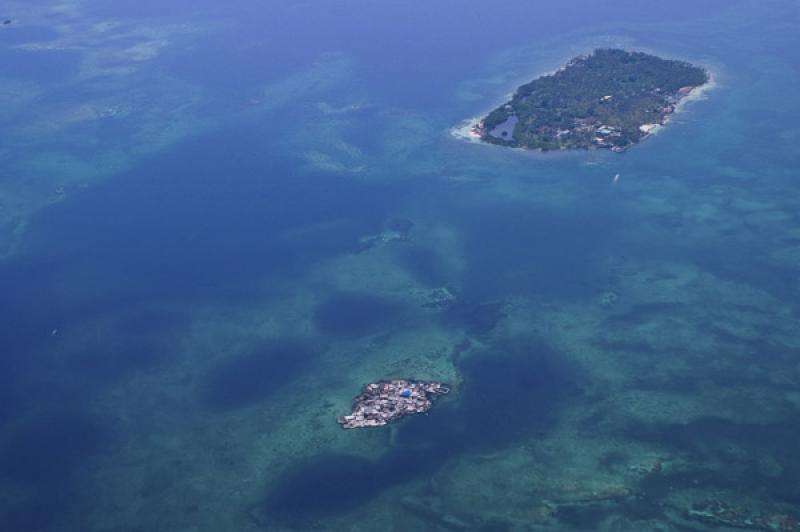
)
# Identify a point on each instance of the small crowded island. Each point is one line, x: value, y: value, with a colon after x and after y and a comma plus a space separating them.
x: 610, y: 99
x: 386, y: 401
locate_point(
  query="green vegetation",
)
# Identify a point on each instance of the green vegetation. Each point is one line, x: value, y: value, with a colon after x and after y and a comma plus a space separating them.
x: 596, y: 101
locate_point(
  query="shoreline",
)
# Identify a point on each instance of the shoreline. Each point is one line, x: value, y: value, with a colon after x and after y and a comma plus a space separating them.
x: 697, y: 93
x: 465, y: 130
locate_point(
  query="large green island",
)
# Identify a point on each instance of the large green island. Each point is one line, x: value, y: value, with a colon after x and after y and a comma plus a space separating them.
x: 609, y: 99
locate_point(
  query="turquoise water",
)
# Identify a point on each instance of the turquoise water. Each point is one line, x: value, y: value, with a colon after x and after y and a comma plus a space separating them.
x: 218, y: 222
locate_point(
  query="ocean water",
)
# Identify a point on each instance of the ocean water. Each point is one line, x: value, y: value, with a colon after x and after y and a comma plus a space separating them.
x: 199, y: 270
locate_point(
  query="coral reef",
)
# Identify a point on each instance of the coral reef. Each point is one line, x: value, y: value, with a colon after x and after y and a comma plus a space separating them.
x: 722, y: 513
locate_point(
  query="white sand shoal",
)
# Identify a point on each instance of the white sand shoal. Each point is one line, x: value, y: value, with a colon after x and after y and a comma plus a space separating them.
x: 698, y: 93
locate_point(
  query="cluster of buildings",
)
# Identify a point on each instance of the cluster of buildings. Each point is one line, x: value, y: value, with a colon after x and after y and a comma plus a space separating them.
x: 386, y: 401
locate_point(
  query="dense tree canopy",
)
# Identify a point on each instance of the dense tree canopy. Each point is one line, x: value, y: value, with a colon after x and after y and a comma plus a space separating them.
x: 599, y: 100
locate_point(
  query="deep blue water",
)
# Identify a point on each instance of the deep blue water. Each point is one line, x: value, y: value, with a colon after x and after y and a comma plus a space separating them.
x: 226, y: 271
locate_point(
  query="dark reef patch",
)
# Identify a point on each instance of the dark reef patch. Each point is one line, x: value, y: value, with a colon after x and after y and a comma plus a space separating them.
x: 105, y: 362
x: 424, y: 264
x: 476, y: 318
x: 322, y: 486
x: 611, y: 460
x: 353, y: 314
x: 734, y: 452
x: 646, y: 312
x: 401, y: 225
x: 513, y: 390
x: 745, y: 265
x: 583, y: 516
x: 138, y: 341
x: 254, y: 376
x: 514, y: 249
x: 330, y: 484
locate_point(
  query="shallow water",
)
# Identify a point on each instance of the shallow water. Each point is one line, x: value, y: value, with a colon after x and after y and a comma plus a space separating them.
x: 219, y: 221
